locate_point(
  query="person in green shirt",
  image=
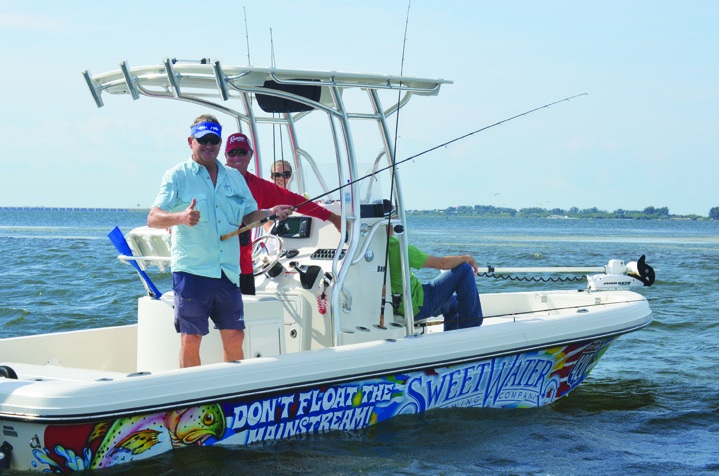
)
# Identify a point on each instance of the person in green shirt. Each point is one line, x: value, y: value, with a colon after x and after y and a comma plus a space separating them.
x: 453, y: 294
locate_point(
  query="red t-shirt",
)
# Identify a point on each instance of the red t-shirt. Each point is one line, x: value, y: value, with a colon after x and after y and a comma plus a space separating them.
x: 267, y: 194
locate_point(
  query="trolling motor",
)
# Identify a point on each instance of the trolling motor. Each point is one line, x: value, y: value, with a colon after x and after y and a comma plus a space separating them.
x: 617, y: 275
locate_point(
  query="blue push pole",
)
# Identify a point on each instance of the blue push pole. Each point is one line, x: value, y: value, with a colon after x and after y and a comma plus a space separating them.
x: 118, y: 239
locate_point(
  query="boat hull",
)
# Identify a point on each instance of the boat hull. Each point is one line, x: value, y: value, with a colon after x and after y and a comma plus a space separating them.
x: 62, y: 411
x: 528, y: 379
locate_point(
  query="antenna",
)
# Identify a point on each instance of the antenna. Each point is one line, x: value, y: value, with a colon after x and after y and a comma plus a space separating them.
x: 247, y: 38
x: 399, y: 93
x: 404, y: 43
x: 272, y: 50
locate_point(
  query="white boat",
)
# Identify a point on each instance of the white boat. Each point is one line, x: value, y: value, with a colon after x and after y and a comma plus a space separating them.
x: 357, y: 364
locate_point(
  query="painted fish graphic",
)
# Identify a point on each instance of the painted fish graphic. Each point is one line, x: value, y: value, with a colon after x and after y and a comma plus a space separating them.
x: 125, y: 438
x: 195, y: 424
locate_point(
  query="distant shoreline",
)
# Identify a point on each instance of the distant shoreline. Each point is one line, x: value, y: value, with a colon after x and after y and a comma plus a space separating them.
x: 426, y: 213
x: 80, y: 209
x: 467, y: 212
x: 484, y: 211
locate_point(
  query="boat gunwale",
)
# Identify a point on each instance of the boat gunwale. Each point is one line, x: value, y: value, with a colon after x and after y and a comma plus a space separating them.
x: 99, y: 416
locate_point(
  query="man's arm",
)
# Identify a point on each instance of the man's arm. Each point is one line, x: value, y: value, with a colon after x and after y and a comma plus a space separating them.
x: 281, y: 211
x: 450, y: 262
x: 336, y: 220
x: 159, y: 218
x: 276, y: 194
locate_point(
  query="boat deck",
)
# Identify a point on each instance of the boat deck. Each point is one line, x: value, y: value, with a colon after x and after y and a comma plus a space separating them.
x: 276, y: 326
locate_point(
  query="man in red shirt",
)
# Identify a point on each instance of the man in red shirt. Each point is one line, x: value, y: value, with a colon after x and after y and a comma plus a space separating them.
x: 238, y: 153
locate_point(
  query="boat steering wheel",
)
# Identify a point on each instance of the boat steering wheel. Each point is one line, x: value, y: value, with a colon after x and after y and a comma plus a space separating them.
x: 266, y: 252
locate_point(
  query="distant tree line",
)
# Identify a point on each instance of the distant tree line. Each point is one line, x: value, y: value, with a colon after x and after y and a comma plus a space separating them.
x: 649, y: 213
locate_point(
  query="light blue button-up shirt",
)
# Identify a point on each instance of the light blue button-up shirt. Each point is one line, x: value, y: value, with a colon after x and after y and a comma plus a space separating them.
x: 198, y: 249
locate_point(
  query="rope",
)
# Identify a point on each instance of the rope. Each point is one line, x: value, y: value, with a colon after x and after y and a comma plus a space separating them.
x: 535, y: 279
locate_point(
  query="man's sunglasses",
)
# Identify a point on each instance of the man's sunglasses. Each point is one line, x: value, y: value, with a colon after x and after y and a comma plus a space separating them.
x: 211, y: 138
x: 286, y: 174
x: 235, y: 152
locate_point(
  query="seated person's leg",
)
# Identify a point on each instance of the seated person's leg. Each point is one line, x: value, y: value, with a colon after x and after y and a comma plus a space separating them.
x: 449, y: 311
x: 460, y: 310
x: 469, y: 308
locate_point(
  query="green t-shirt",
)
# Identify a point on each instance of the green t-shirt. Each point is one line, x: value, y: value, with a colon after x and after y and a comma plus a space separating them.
x: 417, y: 259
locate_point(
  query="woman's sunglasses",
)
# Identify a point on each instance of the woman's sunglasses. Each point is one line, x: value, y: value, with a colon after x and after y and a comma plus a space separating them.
x: 235, y: 152
x: 286, y: 174
x: 211, y: 138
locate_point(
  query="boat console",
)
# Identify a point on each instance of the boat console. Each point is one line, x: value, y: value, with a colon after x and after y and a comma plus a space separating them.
x: 293, y: 277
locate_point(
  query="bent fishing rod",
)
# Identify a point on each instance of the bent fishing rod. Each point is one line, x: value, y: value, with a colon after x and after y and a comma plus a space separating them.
x: 444, y: 144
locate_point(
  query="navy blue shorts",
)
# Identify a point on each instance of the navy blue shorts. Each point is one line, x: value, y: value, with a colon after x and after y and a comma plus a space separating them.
x: 200, y: 297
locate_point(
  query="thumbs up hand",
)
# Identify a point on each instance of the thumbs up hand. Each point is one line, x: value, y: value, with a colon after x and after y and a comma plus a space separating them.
x: 190, y: 216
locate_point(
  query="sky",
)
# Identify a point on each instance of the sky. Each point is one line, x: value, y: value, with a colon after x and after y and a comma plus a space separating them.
x: 645, y: 134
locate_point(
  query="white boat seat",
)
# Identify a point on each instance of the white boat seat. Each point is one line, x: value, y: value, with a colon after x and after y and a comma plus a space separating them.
x: 151, y: 247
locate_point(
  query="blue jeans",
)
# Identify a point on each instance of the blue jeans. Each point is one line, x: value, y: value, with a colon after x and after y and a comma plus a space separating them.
x: 453, y: 294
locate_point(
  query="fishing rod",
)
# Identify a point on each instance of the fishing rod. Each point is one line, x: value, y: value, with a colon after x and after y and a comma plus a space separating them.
x: 388, y: 296
x: 444, y: 144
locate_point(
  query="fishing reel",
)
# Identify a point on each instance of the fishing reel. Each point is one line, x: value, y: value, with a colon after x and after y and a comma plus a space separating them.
x: 620, y: 276
x: 280, y: 228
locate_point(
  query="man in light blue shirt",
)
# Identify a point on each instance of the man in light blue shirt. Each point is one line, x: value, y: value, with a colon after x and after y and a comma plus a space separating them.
x: 202, y: 200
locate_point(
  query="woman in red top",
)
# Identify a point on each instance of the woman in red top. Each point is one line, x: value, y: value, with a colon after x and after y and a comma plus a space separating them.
x: 238, y: 153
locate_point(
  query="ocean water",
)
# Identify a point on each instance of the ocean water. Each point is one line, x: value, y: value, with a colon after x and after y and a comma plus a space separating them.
x: 651, y: 406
